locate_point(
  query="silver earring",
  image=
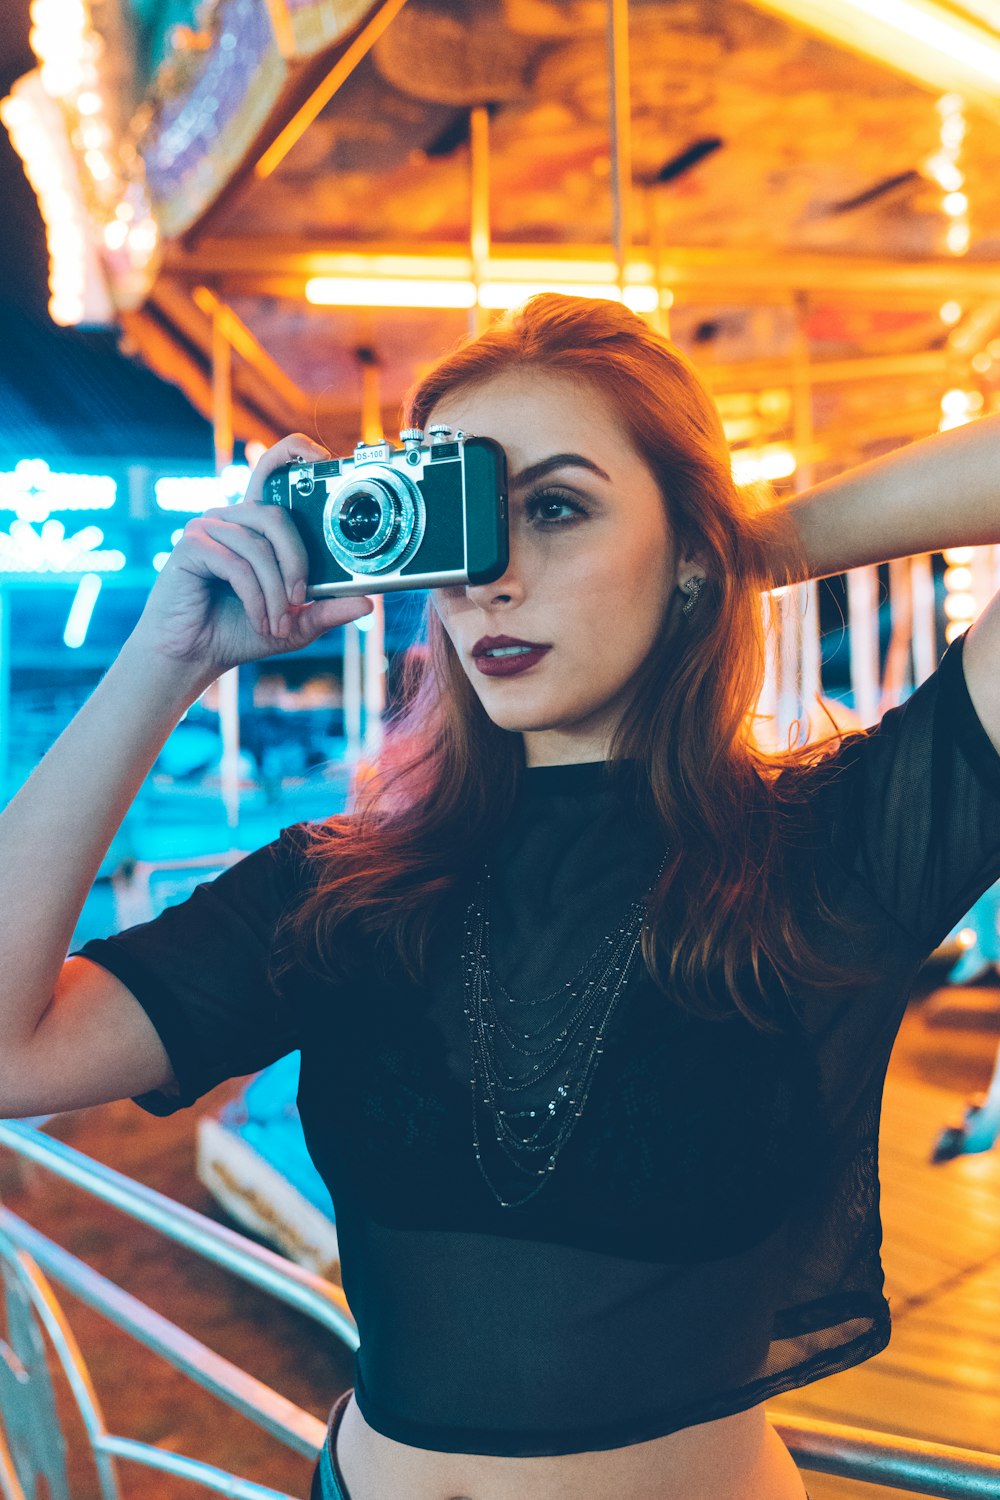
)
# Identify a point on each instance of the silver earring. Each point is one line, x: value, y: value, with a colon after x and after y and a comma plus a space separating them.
x: 693, y: 589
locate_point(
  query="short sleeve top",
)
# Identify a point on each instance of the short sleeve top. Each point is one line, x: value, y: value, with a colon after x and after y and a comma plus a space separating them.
x: 711, y: 1236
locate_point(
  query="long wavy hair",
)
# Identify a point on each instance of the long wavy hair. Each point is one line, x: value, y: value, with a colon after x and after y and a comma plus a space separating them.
x: 723, y: 919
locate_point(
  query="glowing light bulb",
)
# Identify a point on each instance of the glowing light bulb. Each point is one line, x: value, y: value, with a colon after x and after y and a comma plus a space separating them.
x: 959, y: 606
x: 954, y: 401
x: 957, y: 237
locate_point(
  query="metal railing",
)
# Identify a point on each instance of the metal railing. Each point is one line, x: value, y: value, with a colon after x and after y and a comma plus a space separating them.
x: 30, y: 1439
x: 30, y: 1262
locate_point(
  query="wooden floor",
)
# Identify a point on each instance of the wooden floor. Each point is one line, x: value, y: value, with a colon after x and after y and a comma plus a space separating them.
x: 939, y: 1378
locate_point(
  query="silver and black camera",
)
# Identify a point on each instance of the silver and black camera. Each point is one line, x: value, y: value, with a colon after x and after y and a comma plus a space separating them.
x: 423, y: 516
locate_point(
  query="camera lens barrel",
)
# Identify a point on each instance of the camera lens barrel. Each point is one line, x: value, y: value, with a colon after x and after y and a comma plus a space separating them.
x: 374, y: 523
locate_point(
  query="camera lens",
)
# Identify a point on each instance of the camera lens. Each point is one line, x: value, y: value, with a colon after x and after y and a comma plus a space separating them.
x: 374, y: 521
x: 360, y: 518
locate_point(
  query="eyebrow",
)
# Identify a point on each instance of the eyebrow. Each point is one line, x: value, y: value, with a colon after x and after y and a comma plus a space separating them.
x: 557, y: 461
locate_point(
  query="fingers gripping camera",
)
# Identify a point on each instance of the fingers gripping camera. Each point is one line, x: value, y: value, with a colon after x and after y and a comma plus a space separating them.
x: 418, y: 517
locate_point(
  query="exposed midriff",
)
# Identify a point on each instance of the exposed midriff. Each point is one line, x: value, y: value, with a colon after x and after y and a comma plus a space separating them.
x: 740, y: 1457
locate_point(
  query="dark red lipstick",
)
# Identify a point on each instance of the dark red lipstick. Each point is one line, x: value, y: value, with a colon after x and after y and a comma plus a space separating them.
x: 510, y: 655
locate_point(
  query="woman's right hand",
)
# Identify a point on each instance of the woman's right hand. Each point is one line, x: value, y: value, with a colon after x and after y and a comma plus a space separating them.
x: 233, y: 588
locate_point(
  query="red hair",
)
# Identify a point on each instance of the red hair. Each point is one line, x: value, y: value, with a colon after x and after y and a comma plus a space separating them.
x: 447, y: 777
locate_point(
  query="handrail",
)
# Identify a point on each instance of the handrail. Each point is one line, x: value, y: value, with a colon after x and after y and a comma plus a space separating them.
x: 272, y: 1412
x: 308, y: 1293
x: 908, y: 1464
x: 913, y: 1465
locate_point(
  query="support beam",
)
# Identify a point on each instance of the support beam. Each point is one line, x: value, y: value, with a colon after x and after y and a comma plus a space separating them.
x: 243, y: 343
x: 620, y: 112
x: 228, y: 685
x: 697, y: 271
x: 324, y: 92
x: 156, y: 346
x: 755, y: 374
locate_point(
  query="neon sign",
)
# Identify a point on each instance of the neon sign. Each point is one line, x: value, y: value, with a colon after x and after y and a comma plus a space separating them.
x: 197, y: 493
x: 32, y: 490
x: 50, y: 550
x: 81, y: 610
x: 161, y: 557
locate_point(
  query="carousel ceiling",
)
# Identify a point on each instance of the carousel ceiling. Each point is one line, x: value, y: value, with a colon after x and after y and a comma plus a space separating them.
x: 818, y: 229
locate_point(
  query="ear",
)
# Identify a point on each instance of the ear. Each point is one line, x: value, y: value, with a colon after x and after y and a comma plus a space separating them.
x: 695, y: 566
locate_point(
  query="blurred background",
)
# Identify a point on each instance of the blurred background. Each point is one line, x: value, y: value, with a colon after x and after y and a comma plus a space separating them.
x: 250, y: 220
x: 226, y: 220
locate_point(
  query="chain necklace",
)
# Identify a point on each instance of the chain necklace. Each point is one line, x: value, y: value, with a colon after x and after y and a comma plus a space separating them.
x: 588, y: 1001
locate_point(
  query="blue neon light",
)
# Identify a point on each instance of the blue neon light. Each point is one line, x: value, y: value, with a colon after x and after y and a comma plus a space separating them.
x: 32, y: 490
x: 50, y: 550
x: 81, y: 609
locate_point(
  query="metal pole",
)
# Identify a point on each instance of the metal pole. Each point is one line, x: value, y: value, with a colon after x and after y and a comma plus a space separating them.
x: 812, y: 683
x: 621, y: 134
x: 352, y: 691
x: 371, y: 668
x: 654, y: 200
x: 371, y: 395
x: 807, y: 594
x: 862, y: 615
x: 766, y: 725
x: 898, y: 661
x: 228, y: 685
x: 924, y: 618
x: 479, y: 208
x: 373, y: 677
x: 5, y: 700
x: 789, y: 657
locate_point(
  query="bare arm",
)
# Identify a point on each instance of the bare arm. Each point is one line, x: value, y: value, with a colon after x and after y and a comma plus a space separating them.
x: 53, y: 837
x: 943, y: 491
x: 70, y: 1033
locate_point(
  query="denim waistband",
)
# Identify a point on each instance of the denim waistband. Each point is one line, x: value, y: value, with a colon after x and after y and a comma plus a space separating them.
x: 328, y: 1482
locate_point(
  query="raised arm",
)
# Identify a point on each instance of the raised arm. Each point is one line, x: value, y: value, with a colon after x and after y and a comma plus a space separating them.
x: 943, y: 491
x: 71, y: 1033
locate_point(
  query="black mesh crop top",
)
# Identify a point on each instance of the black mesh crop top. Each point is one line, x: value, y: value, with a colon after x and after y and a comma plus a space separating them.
x: 711, y: 1235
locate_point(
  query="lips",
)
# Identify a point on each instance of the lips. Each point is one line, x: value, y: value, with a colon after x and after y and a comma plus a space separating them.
x: 497, y: 642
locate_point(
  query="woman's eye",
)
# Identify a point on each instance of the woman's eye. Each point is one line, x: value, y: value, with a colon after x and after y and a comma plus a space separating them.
x: 541, y: 507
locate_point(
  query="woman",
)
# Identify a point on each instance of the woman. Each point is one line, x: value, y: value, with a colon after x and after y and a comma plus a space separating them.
x: 595, y: 998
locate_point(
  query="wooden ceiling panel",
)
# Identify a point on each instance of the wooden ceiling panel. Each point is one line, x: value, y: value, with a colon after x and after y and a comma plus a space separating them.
x: 781, y: 183
x: 806, y: 131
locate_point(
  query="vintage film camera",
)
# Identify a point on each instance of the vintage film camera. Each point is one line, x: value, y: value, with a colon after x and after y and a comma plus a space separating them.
x: 425, y: 516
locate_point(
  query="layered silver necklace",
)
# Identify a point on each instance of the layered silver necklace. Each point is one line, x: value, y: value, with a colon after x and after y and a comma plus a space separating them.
x: 564, y: 1045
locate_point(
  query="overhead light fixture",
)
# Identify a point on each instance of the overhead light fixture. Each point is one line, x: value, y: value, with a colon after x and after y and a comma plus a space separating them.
x: 376, y: 291
x: 942, y: 45
x: 390, y: 291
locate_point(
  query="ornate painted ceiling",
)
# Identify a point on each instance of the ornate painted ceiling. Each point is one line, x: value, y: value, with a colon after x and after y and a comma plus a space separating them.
x: 787, y: 198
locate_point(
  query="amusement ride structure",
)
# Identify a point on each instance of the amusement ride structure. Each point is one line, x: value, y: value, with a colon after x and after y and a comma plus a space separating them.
x: 288, y: 207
